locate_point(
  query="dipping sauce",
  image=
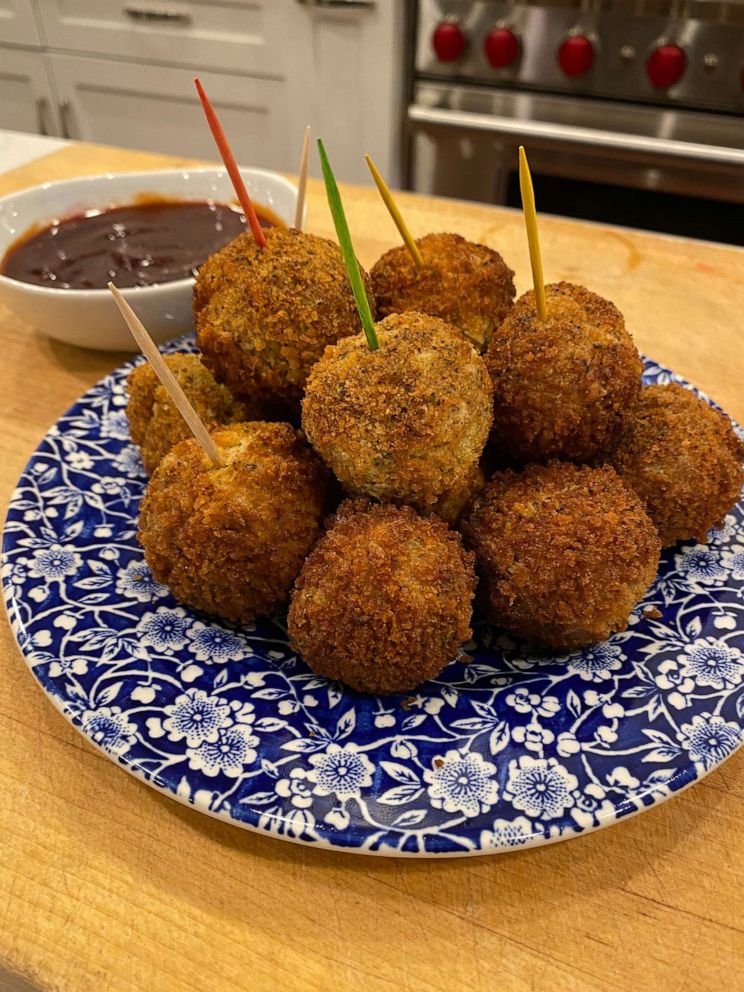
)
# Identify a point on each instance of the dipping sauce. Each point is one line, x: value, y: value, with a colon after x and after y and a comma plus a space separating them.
x: 147, y: 242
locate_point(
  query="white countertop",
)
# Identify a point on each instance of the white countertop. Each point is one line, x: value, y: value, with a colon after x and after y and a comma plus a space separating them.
x: 17, y: 148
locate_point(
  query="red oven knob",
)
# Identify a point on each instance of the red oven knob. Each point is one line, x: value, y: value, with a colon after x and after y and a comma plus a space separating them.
x: 501, y: 47
x: 576, y: 55
x: 448, y: 41
x: 666, y: 66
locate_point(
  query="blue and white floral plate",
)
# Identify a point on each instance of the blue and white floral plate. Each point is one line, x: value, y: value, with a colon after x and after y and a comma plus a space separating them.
x: 500, y: 751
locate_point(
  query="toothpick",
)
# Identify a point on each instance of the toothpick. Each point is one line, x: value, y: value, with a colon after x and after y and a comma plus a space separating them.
x: 530, y: 219
x: 302, y: 183
x: 231, y: 165
x: 394, y: 211
x: 347, y: 250
x: 160, y: 367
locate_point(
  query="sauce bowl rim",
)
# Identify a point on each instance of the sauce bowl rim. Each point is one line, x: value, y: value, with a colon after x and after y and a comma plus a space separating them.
x: 219, y: 172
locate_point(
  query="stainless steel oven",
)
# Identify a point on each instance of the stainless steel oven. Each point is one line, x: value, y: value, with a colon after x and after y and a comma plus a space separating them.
x: 631, y: 112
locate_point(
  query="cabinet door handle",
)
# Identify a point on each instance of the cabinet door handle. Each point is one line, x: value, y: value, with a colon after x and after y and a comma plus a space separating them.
x: 162, y: 14
x: 339, y: 4
x: 64, y: 110
x: 42, y: 105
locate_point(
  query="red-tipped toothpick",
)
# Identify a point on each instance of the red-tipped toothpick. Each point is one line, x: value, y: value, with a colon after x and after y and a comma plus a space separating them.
x: 180, y: 399
x: 231, y: 165
x: 302, y: 182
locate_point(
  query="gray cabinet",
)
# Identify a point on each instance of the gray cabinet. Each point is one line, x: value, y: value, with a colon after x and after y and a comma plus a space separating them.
x: 121, y: 73
x: 27, y: 101
x: 155, y: 107
x: 18, y: 24
x: 250, y: 38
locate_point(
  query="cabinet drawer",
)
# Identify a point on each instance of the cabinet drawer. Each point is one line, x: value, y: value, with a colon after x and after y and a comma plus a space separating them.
x: 233, y: 35
x: 17, y: 23
x: 156, y: 108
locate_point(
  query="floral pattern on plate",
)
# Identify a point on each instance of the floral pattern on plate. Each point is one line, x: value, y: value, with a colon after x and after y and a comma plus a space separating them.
x: 504, y: 749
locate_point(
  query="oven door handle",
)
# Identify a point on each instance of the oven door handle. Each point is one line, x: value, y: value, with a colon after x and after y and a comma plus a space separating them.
x: 542, y: 133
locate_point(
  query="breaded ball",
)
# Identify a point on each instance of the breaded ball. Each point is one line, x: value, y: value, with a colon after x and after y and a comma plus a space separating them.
x: 458, y: 499
x: 564, y: 553
x: 155, y: 423
x: 683, y: 459
x: 231, y: 540
x: 384, y: 600
x: 466, y: 284
x: 564, y: 388
x: 406, y: 421
x: 264, y: 315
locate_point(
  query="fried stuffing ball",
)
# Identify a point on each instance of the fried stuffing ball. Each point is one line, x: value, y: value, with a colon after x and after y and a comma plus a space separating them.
x: 683, y: 459
x: 264, y: 315
x: 458, y: 499
x: 453, y: 502
x: 384, y: 599
x: 466, y: 284
x: 564, y: 553
x: 155, y: 423
x: 566, y: 387
x: 231, y: 540
x: 406, y: 421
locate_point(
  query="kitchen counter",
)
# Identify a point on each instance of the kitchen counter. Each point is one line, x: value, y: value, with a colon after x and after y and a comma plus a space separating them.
x: 107, y: 885
x: 17, y: 148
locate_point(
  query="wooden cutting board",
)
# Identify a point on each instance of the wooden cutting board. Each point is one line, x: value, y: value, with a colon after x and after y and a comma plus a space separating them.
x: 106, y: 886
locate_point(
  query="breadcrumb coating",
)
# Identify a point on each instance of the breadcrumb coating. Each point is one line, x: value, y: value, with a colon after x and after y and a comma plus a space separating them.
x: 683, y: 459
x: 466, y: 284
x: 231, y: 540
x: 155, y: 423
x: 384, y: 600
x: 457, y: 500
x: 564, y: 553
x: 406, y: 421
x: 566, y: 387
x: 264, y: 315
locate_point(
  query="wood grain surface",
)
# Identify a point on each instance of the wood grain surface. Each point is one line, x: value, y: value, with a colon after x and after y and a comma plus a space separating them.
x: 106, y: 886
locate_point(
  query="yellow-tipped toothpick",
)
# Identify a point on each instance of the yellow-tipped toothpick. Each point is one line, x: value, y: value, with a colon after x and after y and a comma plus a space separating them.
x: 180, y: 399
x: 302, y: 181
x: 387, y: 198
x: 530, y: 219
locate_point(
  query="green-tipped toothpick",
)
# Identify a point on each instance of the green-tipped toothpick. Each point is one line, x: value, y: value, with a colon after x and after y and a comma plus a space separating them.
x: 347, y: 249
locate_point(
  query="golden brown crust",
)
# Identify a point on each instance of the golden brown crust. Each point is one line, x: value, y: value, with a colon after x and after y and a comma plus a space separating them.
x: 403, y: 422
x: 564, y: 552
x: 154, y: 422
x: 466, y: 284
x: 384, y: 599
x: 231, y: 540
x: 683, y: 459
x: 453, y: 503
x: 264, y: 316
x: 564, y: 388
x: 457, y: 500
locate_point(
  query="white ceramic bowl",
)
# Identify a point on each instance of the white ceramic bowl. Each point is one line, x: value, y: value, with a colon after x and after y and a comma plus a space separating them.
x: 88, y: 317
